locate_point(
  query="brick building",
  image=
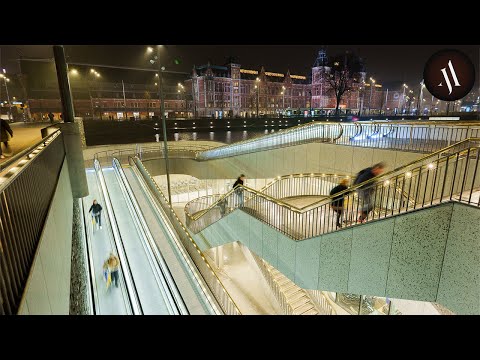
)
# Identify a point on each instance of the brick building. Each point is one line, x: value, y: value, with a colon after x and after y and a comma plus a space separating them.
x: 230, y: 90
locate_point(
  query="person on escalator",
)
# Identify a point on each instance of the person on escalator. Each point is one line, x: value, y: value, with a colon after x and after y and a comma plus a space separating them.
x: 96, y: 210
x: 112, y: 264
x: 238, y: 189
x: 367, y: 191
x: 337, y: 201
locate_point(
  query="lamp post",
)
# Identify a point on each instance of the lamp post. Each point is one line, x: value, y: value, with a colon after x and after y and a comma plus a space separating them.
x: 402, y: 99
x: 257, y: 89
x: 182, y: 91
x: 6, y: 80
x: 156, y: 59
x: 419, y: 103
x: 372, y: 84
x: 95, y: 75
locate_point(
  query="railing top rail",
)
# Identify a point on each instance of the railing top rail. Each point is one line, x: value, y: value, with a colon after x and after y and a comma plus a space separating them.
x: 329, y: 198
x: 150, y: 149
x: 279, y: 133
x: 21, y: 154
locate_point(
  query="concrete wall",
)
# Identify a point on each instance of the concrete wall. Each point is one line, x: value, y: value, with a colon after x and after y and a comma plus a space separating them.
x: 48, y: 286
x: 426, y: 255
x: 306, y: 158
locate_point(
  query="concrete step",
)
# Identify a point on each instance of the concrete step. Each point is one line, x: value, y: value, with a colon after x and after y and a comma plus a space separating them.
x: 303, y: 309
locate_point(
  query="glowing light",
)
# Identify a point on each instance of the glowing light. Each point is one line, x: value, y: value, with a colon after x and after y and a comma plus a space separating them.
x: 274, y: 74
x: 431, y: 166
x: 387, y: 182
x: 298, y: 77
x: 245, y: 71
x: 408, y: 174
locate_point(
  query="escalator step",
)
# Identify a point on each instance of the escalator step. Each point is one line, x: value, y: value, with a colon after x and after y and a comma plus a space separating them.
x: 298, y: 300
x: 303, y: 309
x: 311, y: 312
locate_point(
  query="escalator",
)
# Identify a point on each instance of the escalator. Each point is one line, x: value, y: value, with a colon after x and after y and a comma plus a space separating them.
x: 100, y: 243
x: 194, y: 292
x: 154, y: 295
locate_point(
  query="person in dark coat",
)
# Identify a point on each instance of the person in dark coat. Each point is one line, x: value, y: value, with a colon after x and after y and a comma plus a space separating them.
x: 337, y: 201
x: 5, y: 129
x: 366, y: 192
x: 238, y: 189
x: 96, y: 210
x: 50, y: 116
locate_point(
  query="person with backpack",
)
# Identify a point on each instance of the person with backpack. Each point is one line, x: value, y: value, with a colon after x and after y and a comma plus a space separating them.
x: 367, y: 191
x: 96, y: 210
x: 238, y: 189
x: 111, y: 266
x: 337, y: 201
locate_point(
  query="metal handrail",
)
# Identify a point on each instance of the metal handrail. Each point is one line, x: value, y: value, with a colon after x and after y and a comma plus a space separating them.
x: 276, y: 135
x: 175, y: 300
x: 133, y: 296
x: 442, y: 132
x: 21, y: 154
x: 218, y: 289
x: 400, y: 174
x: 351, y: 189
x: 26, y: 193
x: 261, y: 191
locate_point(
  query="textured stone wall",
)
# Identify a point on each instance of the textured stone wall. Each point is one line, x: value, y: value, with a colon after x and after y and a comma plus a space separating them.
x: 79, y: 304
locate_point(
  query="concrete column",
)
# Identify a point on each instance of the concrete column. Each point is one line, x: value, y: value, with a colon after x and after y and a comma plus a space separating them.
x: 74, y: 153
x: 70, y: 130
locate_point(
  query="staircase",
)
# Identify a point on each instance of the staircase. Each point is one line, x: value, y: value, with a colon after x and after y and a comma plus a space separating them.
x: 293, y: 299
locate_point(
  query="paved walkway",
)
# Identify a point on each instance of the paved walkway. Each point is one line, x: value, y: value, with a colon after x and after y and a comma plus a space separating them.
x: 24, y: 135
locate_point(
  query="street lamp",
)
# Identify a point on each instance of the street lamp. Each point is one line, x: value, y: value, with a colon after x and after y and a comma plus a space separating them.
x: 156, y: 60
x: 95, y: 75
x: 402, y: 98
x: 257, y: 88
x: 420, y: 98
x: 5, y: 81
x: 372, y: 84
x: 182, y: 90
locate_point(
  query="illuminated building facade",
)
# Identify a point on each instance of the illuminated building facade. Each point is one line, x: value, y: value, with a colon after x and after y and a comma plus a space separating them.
x: 230, y: 90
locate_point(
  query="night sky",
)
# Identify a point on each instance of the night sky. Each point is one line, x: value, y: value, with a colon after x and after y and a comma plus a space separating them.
x: 386, y: 63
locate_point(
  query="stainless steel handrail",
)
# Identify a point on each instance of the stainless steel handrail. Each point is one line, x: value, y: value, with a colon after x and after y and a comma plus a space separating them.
x: 174, y: 297
x: 136, y: 306
x: 21, y: 154
x: 390, y: 179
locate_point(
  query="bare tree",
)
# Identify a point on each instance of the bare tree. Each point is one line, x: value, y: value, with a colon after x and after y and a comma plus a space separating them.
x: 344, y: 72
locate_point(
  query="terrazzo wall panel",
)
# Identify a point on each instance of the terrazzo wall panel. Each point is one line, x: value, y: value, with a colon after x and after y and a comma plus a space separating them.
x: 335, y: 253
x: 370, y: 255
x: 459, y: 288
x: 406, y: 256
x: 418, y: 247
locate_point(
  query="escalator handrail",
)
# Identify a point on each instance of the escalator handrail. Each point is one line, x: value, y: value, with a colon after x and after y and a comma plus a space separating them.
x: 151, y: 245
x: 124, y: 265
